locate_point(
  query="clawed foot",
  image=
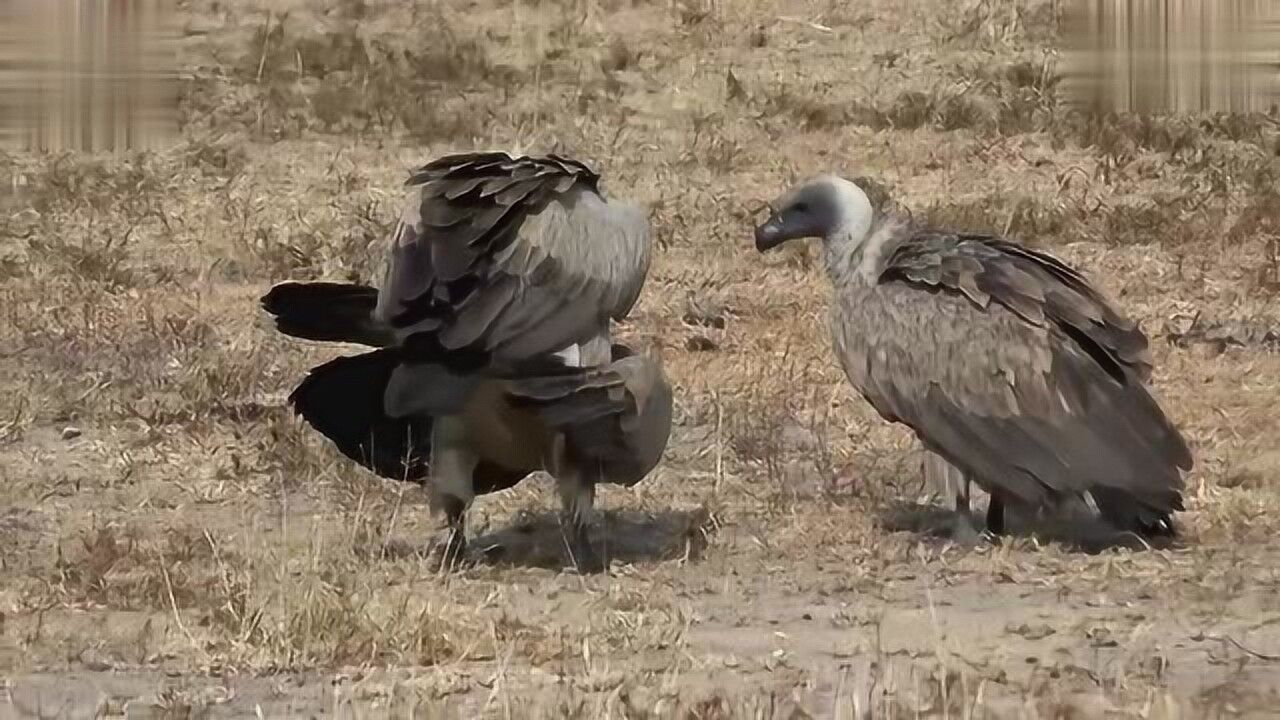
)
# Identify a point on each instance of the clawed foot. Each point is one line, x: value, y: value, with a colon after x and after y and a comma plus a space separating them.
x: 588, y: 561
x: 585, y: 558
x: 967, y: 532
x: 453, y: 550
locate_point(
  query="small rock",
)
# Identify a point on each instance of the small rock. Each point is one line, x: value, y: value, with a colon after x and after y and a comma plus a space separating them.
x: 1101, y: 637
x: 94, y: 660
x: 1030, y: 632
x: 443, y: 683
x: 641, y: 701
x: 71, y: 432
x: 1260, y: 471
x: 704, y: 312
x: 700, y: 343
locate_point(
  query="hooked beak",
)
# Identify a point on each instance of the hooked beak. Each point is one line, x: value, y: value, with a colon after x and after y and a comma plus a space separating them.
x: 769, y: 234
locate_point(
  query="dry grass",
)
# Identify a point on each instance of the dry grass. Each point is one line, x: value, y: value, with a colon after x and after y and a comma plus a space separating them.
x: 175, y: 538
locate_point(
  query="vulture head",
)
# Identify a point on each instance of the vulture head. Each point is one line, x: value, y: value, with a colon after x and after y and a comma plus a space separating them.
x: 827, y: 207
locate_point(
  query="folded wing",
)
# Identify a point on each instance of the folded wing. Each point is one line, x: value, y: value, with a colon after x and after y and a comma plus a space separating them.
x: 616, y: 419
x: 514, y: 258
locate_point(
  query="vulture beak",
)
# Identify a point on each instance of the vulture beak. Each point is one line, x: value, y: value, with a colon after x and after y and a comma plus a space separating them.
x: 770, y: 233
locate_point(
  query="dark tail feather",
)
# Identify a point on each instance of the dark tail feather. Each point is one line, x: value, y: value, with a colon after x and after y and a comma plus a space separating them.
x: 1128, y: 513
x: 335, y: 312
x: 342, y: 399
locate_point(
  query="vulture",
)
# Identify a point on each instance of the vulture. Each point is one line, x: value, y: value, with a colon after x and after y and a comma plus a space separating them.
x: 494, y: 354
x: 1013, y: 371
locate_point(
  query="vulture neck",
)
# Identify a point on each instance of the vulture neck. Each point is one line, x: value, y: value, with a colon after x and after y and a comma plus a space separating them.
x: 856, y: 252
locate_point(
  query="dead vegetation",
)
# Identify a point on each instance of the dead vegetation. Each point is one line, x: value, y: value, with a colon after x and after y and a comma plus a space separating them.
x: 166, y: 516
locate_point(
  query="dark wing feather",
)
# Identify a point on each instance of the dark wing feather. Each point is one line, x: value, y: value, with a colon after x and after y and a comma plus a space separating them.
x: 1038, y: 287
x: 616, y: 419
x: 466, y: 268
x: 577, y: 398
x: 1010, y: 366
x: 343, y: 400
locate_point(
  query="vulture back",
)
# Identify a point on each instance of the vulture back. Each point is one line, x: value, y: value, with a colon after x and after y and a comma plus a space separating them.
x: 512, y: 257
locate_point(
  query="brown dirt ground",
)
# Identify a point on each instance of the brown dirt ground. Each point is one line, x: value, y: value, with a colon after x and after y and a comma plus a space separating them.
x: 175, y: 544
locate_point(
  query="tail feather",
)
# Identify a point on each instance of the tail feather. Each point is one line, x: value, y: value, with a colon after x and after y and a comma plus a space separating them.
x: 1149, y: 519
x: 324, y: 311
x: 343, y: 400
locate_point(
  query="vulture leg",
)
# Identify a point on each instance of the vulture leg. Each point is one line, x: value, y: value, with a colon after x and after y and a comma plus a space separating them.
x: 995, y: 514
x: 577, y: 498
x: 450, y: 486
x: 966, y: 529
x: 953, y: 485
x: 962, y: 499
x: 455, y: 546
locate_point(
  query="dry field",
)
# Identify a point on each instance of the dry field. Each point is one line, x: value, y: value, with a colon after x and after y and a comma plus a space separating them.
x: 176, y: 544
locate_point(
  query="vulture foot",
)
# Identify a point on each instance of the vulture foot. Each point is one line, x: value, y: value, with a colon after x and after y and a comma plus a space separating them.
x: 493, y: 552
x: 965, y: 531
x: 584, y: 555
x: 995, y: 515
x: 453, y: 549
x: 454, y: 540
x: 577, y: 496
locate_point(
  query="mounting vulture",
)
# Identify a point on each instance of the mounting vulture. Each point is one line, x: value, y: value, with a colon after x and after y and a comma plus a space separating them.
x: 494, y: 355
x: 1013, y: 371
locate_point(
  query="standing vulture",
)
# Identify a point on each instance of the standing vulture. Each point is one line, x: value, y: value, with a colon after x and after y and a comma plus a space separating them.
x: 493, y: 322
x: 1013, y: 371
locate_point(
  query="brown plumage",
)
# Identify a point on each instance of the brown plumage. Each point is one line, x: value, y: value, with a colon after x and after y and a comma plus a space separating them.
x: 499, y: 267
x: 1006, y: 363
x: 605, y: 424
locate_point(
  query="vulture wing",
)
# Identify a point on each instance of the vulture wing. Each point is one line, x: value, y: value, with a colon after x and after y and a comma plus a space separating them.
x: 616, y: 419
x: 511, y: 257
x: 1008, y: 364
x: 1038, y: 287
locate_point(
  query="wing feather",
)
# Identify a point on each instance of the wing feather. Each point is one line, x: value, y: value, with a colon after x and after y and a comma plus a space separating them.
x: 1038, y: 287
x: 343, y: 400
x: 512, y: 256
x: 616, y: 419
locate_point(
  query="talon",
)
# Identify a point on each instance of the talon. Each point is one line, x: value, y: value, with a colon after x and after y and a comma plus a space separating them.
x: 588, y: 561
x: 454, y: 551
x: 585, y: 558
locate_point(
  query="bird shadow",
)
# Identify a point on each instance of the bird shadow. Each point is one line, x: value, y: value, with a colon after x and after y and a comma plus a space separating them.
x: 538, y: 540
x: 1072, y: 528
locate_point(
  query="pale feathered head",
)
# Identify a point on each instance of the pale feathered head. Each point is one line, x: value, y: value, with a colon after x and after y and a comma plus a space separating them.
x: 826, y: 206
